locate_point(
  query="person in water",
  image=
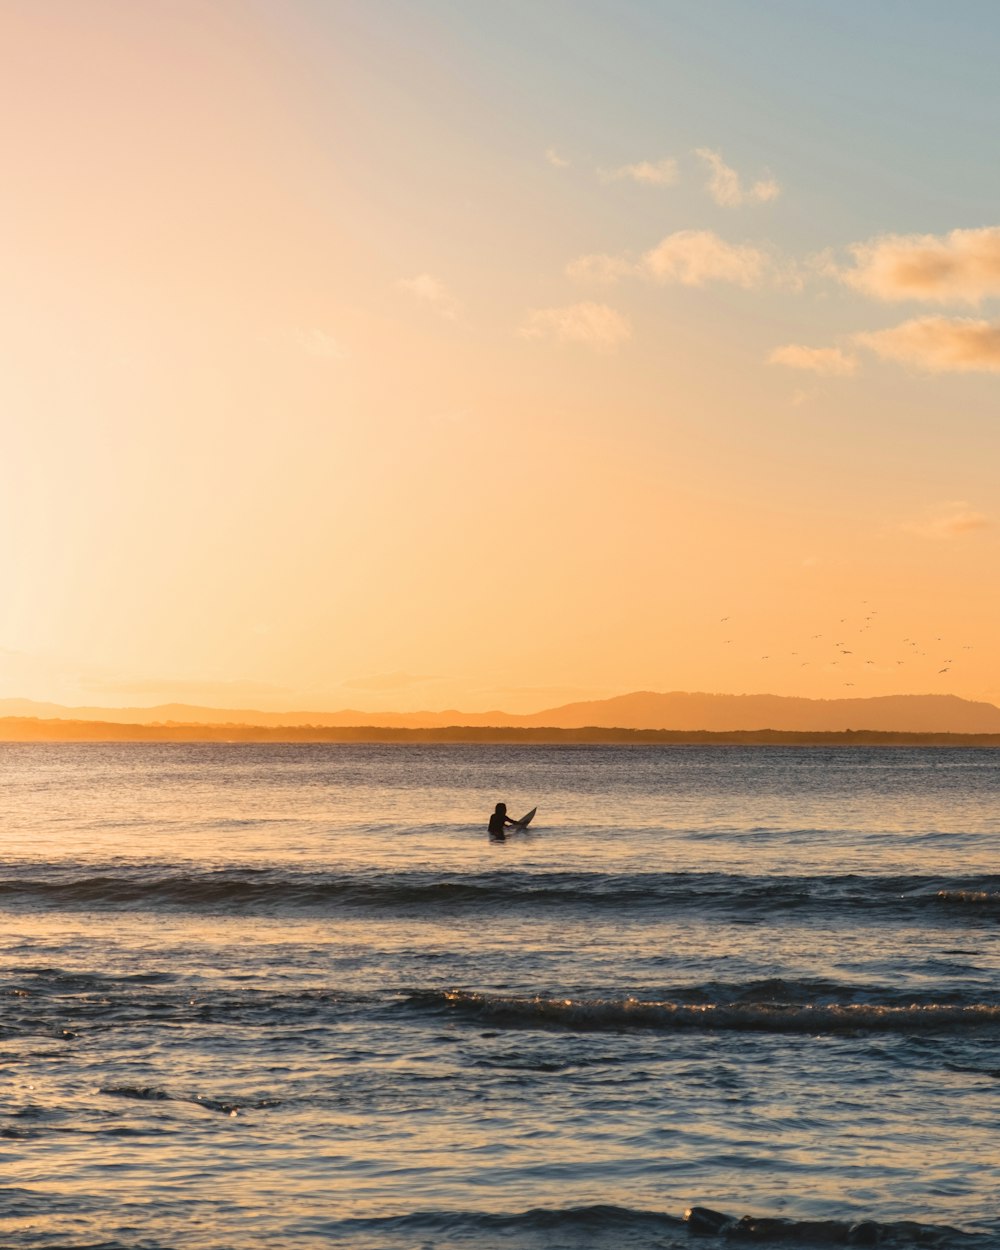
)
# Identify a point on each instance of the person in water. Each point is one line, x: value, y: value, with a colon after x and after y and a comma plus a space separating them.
x: 499, y: 820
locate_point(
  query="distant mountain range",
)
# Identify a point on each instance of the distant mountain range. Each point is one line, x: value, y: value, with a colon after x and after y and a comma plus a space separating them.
x: 677, y: 710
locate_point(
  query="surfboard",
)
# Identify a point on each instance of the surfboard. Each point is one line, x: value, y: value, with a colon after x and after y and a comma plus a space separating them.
x: 525, y: 821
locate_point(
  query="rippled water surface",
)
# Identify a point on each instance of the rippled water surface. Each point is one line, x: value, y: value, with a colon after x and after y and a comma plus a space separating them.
x: 293, y: 996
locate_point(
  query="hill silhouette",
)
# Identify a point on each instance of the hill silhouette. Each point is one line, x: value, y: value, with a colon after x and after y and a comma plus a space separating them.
x: 676, y: 710
x: 930, y: 713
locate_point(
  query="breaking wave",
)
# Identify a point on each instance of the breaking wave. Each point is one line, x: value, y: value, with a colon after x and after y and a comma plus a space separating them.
x: 766, y: 1009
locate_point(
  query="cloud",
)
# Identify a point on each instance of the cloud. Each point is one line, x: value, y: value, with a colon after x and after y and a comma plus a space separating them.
x: 662, y: 173
x: 695, y: 257
x: 553, y: 157
x: 597, y: 325
x: 234, y: 693
x: 960, y: 267
x: 952, y: 520
x: 385, y: 681
x: 827, y: 360
x: 435, y: 293
x: 690, y: 257
x: 726, y: 187
x: 939, y: 344
x: 318, y: 343
x: 601, y: 268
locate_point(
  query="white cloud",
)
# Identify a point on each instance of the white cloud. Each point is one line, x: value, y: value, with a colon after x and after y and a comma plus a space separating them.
x: 553, y: 157
x: 725, y: 186
x: 432, y: 291
x: 695, y: 257
x: 960, y: 267
x: 827, y: 360
x: 951, y: 520
x: 939, y: 344
x: 596, y: 325
x: 662, y: 173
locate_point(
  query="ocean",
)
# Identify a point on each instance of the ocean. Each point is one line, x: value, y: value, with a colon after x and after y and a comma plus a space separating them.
x: 294, y: 997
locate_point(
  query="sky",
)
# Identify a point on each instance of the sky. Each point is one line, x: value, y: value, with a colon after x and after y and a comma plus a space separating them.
x: 462, y: 354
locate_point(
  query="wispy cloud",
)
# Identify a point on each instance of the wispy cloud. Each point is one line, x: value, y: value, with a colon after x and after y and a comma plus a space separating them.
x: 236, y: 693
x: 432, y: 291
x: 386, y: 681
x: 696, y: 257
x: 553, y: 157
x: 960, y: 267
x: 939, y: 344
x: 315, y: 342
x: 726, y: 187
x: 595, y: 325
x: 601, y: 268
x: 662, y: 173
x: 827, y: 360
x: 690, y: 257
x: 950, y: 520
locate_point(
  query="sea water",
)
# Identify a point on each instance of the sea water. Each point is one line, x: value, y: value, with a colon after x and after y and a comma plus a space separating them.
x: 293, y: 996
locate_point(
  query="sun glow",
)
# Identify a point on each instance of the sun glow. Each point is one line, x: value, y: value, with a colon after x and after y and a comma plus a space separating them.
x: 327, y: 368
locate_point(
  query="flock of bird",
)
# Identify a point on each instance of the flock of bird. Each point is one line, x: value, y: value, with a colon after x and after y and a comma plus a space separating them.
x: 835, y: 652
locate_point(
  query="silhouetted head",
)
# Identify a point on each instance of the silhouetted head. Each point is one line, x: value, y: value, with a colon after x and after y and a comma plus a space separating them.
x: 501, y: 809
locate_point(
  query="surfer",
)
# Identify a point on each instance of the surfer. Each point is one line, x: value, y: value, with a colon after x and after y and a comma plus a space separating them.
x: 499, y: 820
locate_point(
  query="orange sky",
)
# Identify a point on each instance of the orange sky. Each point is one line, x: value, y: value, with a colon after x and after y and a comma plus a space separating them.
x: 399, y: 356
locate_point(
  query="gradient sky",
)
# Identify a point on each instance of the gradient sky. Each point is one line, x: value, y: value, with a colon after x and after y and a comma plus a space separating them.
x: 447, y: 353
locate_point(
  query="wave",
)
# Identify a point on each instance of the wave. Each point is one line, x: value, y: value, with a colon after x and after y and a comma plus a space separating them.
x: 771, y: 1009
x: 151, y: 1093
x: 597, y: 1223
x: 985, y: 900
x: 64, y: 1005
x: 254, y: 890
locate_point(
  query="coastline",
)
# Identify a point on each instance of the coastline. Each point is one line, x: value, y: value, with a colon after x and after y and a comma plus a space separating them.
x: 32, y: 729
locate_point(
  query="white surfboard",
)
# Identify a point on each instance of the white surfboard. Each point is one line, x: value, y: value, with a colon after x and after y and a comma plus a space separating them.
x: 525, y: 821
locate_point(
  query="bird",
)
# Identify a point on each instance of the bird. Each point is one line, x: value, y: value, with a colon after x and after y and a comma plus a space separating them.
x: 944, y: 670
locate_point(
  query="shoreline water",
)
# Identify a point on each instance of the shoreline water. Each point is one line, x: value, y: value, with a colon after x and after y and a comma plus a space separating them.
x: 293, y: 994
